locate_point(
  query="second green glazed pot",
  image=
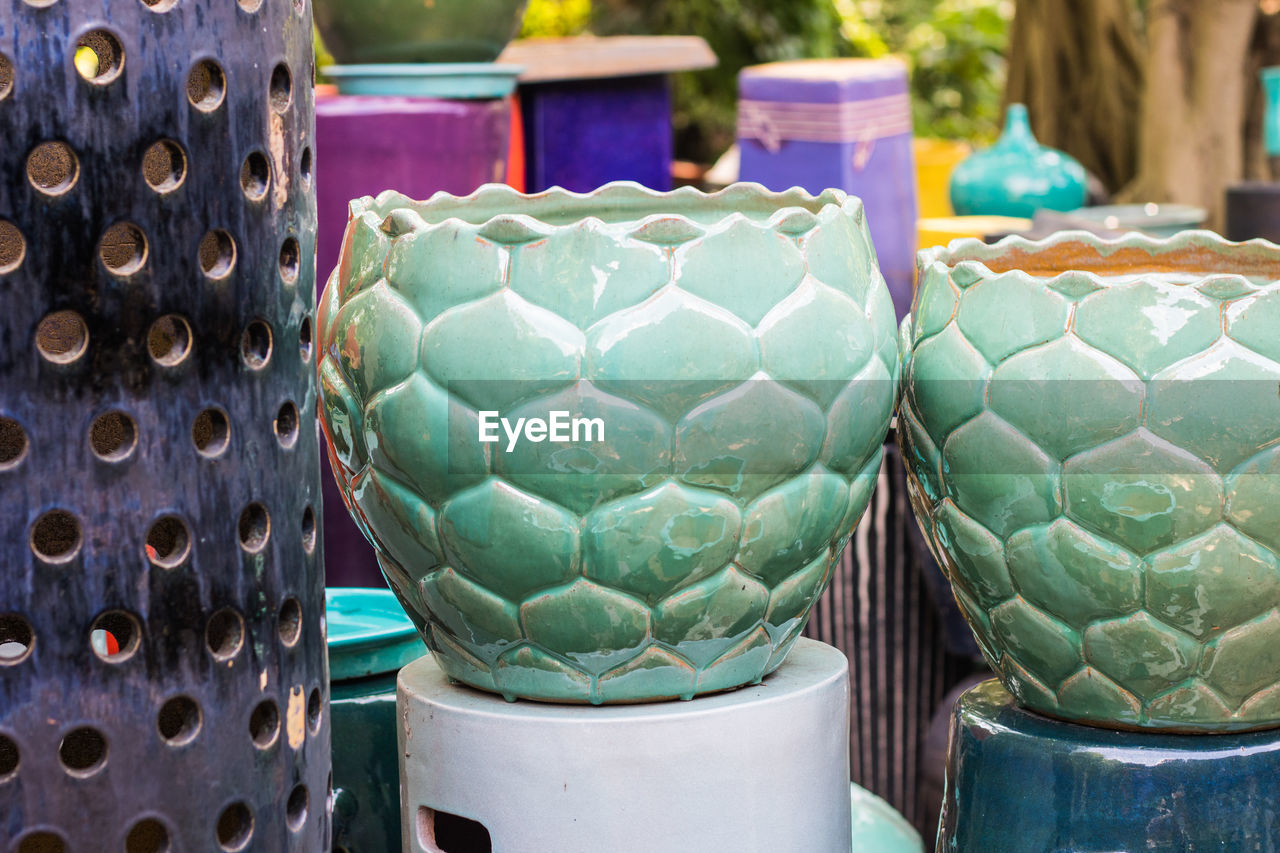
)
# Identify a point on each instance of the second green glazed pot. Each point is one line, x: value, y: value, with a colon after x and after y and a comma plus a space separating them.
x: 740, y: 354
x: 1093, y: 436
x: 412, y: 31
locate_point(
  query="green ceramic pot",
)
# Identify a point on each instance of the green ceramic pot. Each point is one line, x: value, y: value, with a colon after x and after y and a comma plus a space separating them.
x: 739, y: 352
x: 1017, y: 176
x: 369, y: 640
x: 1093, y: 435
x: 407, y: 31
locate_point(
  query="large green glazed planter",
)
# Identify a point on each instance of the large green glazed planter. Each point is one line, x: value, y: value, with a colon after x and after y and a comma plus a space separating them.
x: 374, y: 31
x: 1093, y: 436
x: 739, y: 349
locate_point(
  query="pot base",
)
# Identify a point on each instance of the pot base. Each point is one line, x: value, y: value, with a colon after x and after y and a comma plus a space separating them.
x: 1019, y: 781
x: 759, y: 769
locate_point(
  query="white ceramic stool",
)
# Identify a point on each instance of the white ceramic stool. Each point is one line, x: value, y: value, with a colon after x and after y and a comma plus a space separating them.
x: 764, y: 769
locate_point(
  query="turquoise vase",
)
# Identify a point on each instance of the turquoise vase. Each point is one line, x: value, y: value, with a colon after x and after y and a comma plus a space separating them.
x: 1092, y: 433
x: 1271, y: 117
x: 738, y: 353
x: 1017, y: 176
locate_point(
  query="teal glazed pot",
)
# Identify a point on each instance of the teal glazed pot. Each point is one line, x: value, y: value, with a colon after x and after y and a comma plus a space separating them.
x: 1092, y: 431
x: 412, y: 31
x: 1271, y: 115
x: 1017, y: 176
x: 739, y: 352
x: 369, y: 640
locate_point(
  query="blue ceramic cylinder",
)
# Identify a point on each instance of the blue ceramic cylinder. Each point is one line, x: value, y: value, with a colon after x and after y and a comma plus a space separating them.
x: 1017, y: 782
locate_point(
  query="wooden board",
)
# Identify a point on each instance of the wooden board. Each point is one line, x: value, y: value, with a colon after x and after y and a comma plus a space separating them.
x: 592, y: 57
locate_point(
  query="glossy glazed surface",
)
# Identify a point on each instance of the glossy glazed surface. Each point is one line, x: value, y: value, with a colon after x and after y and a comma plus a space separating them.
x: 1017, y: 176
x: 740, y: 350
x: 1018, y: 782
x: 1095, y: 457
x: 359, y: 31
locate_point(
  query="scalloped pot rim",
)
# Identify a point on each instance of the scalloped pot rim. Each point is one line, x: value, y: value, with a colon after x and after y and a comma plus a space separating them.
x: 498, y: 207
x: 1081, y: 253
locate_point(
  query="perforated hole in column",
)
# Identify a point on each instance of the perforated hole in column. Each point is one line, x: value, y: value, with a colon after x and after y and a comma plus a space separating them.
x: 168, y: 542
x: 115, y: 636
x: 290, y: 260
x: 211, y: 432
x: 179, y: 720
x: 254, y: 527
x: 113, y: 436
x: 281, y: 88
x: 6, y: 76
x: 164, y: 166
x: 123, y: 248
x: 16, y: 639
x: 290, y: 621
x: 304, y: 339
x: 217, y: 254
x: 255, y: 176
x: 309, y: 530
x: 313, y: 710
x: 13, y: 247
x: 235, y: 827
x: 264, y: 724
x: 52, y: 168
x: 224, y: 635
x: 55, y: 537
x: 249, y: 6
x: 41, y: 841
x: 147, y: 836
x: 255, y: 345
x: 13, y: 444
x: 99, y: 57
x: 296, y: 807
x: 206, y: 86
x: 286, y: 425
x: 169, y: 340
x: 304, y: 166
x: 10, y: 758
x: 83, y: 751
x: 62, y: 337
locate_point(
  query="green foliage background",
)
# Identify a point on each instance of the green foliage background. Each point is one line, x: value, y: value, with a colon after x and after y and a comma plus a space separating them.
x: 955, y: 49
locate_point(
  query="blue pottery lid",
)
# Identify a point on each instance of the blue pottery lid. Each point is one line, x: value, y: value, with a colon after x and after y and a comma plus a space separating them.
x: 464, y: 80
x: 369, y: 633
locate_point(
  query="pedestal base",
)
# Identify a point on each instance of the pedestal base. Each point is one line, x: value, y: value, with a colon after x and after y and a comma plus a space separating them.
x: 761, y: 769
x: 1017, y: 782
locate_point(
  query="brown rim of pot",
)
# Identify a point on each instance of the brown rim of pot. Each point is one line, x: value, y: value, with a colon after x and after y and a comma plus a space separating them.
x: 1203, y: 253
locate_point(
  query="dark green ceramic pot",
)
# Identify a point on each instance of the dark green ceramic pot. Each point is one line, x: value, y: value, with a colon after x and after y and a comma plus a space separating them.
x: 1093, y: 435
x: 739, y: 352
x: 369, y: 640
x: 375, y: 31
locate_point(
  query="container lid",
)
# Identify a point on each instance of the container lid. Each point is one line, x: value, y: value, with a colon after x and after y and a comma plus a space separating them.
x: 369, y: 633
x: 462, y: 80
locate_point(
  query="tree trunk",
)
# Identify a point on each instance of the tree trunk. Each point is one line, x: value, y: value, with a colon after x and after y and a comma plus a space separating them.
x: 1078, y: 68
x: 1192, y: 122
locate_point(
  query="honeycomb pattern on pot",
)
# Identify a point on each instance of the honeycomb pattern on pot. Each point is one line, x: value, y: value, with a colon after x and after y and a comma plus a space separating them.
x: 739, y: 349
x: 1095, y: 459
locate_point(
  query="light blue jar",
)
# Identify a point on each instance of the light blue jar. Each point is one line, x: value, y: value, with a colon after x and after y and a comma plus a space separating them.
x: 1017, y: 176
